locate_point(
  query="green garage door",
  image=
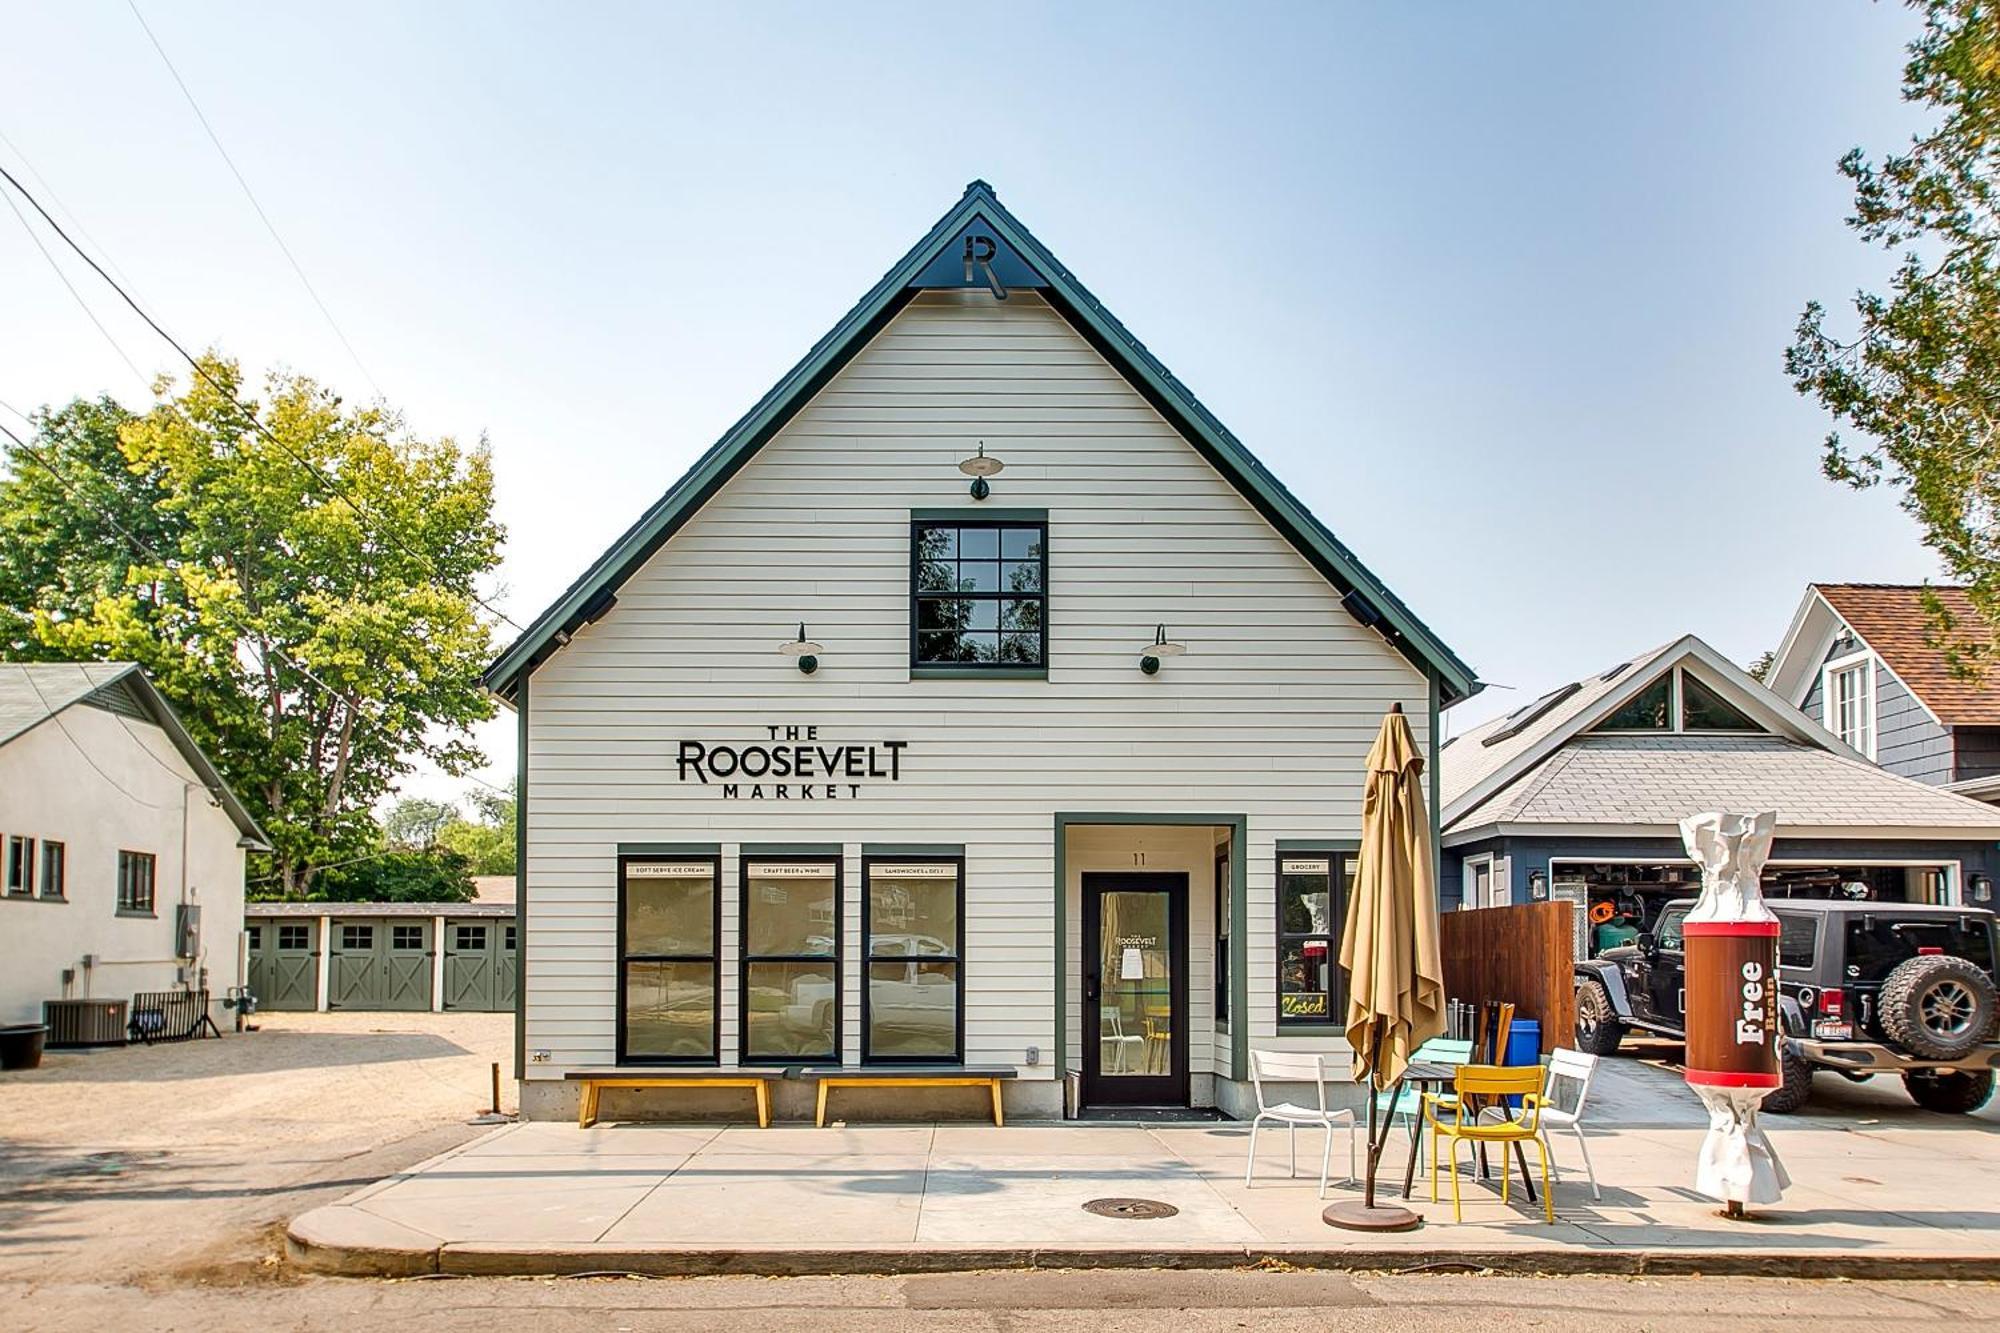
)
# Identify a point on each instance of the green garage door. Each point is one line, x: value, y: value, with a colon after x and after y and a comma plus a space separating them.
x: 380, y: 963
x: 479, y: 965
x: 284, y: 963
x: 507, y: 990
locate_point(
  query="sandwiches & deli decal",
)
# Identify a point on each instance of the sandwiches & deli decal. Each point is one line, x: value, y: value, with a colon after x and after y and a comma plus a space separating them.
x: 791, y: 764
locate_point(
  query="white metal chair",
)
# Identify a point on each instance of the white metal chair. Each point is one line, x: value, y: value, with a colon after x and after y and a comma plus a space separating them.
x: 1564, y: 1093
x: 1125, y: 1052
x: 1294, y: 1067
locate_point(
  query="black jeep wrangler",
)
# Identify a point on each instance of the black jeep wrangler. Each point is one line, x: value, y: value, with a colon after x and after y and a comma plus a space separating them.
x: 1864, y: 988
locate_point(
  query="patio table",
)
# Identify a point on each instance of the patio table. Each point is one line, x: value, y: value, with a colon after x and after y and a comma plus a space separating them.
x: 1423, y: 1075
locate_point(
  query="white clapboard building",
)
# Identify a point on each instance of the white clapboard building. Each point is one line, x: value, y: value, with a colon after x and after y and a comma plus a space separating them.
x: 977, y: 700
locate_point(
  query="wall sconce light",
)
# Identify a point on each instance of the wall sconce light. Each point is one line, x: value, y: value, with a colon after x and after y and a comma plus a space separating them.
x: 1538, y: 885
x: 1157, y: 649
x: 979, y: 467
x: 1982, y: 889
x: 805, y: 650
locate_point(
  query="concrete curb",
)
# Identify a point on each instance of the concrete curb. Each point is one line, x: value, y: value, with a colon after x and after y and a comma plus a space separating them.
x: 348, y: 1243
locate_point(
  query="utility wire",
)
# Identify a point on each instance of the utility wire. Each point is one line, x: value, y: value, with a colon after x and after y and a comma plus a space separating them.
x: 75, y: 295
x: 249, y: 418
x: 144, y: 548
x: 249, y: 194
x: 75, y: 221
x: 74, y: 744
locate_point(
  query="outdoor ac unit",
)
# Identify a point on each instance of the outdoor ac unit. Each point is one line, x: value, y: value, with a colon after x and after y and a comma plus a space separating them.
x: 187, y: 931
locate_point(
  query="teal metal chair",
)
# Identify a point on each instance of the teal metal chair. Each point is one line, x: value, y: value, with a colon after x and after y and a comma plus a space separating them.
x: 1437, y: 1051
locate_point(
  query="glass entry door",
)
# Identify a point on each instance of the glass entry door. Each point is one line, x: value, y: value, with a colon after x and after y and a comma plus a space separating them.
x: 1135, y: 990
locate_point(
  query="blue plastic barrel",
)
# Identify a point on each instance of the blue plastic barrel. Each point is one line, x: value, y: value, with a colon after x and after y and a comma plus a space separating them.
x: 1524, y: 1047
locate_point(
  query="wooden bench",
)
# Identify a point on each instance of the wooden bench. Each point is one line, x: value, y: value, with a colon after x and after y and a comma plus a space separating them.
x: 908, y: 1076
x: 594, y: 1081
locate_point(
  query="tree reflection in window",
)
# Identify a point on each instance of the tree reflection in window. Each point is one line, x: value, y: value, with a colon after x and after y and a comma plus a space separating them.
x: 978, y: 593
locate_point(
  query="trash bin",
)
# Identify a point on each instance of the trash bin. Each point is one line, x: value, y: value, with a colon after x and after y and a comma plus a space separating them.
x: 1524, y: 1047
x: 21, y: 1045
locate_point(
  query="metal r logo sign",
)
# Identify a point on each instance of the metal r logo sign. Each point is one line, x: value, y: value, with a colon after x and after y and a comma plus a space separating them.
x: 979, y: 252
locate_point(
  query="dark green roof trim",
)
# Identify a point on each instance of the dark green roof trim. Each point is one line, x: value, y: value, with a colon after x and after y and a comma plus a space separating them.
x: 585, y: 598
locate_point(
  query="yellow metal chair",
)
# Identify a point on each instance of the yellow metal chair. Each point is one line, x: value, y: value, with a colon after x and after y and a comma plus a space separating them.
x: 1472, y: 1084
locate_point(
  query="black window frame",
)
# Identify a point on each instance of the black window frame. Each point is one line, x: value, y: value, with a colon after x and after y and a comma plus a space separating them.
x: 458, y: 929
x: 713, y: 958
x: 869, y: 959
x: 1338, y: 858
x: 1224, y: 924
x: 997, y: 521
x: 369, y: 937
x: 304, y: 930
x: 416, y: 932
x: 53, y: 888
x: 744, y: 958
x: 20, y: 857
x: 129, y: 902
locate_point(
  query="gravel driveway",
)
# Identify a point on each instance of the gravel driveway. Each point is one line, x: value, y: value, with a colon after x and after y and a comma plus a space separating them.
x: 179, y: 1162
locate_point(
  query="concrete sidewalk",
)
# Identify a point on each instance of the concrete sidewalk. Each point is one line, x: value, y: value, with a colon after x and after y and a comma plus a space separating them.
x: 1870, y: 1199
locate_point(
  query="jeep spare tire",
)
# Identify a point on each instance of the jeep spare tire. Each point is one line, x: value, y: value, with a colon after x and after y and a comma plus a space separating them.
x: 1937, y: 1007
x: 1598, y: 1030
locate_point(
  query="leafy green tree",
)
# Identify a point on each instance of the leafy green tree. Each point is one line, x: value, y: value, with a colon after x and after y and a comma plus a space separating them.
x: 318, y: 639
x: 1920, y: 375
x: 486, y: 841
x: 399, y: 875
x: 413, y: 823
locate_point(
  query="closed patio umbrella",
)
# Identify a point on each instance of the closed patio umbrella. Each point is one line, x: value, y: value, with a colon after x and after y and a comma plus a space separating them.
x: 1389, y: 949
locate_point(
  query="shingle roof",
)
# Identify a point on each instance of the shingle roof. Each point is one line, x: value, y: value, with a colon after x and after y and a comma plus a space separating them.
x: 1632, y: 779
x: 33, y: 692
x: 1469, y: 758
x: 1892, y: 619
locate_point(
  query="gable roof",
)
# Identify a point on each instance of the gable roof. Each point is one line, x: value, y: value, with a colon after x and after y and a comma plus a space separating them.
x: 946, y: 253
x: 1478, y: 766
x: 1650, y: 781
x: 31, y: 693
x: 1892, y: 620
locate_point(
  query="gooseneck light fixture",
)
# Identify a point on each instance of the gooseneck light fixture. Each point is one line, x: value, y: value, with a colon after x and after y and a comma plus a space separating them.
x: 979, y: 467
x: 1157, y: 649
x: 805, y: 650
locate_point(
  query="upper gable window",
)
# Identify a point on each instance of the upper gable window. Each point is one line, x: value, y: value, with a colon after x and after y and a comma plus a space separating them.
x: 978, y: 590
x: 1678, y: 701
x: 1702, y: 709
x: 1652, y: 709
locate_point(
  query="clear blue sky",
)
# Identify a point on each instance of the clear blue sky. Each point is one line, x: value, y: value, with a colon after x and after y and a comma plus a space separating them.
x: 1500, y: 291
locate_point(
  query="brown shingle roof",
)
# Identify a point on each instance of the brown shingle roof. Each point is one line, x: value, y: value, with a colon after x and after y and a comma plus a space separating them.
x: 1892, y: 618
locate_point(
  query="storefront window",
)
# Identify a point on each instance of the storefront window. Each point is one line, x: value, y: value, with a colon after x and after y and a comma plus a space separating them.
x: 667, y: 926
x: 976, y: 594
x: 791, y: 960
x: 914, y: 924
x: 1310, y: 915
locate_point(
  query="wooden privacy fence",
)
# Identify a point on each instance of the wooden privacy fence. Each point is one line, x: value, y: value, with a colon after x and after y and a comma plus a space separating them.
x: 1522, y: 955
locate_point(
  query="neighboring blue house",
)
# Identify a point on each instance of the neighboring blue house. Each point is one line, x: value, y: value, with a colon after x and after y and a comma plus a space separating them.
x: 1860, y: 659
x: 1579, y: 794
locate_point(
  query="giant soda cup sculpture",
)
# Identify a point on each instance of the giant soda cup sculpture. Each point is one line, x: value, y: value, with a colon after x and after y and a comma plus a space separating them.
x: 1732, y: 1006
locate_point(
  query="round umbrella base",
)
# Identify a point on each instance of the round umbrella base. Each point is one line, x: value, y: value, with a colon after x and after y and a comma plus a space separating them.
x: 1360, y: 1217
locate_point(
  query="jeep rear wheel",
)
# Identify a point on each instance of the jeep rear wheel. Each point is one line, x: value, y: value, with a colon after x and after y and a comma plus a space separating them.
x: 1937, y: 1007
x: 1598, y: 1030
x: 1948, y: 1091
x: 1797, y: 1085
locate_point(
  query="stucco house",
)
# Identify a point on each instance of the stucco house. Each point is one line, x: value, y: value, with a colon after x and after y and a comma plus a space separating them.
x: 977, y: 700
x: 1578, y: 794
x: 1864, y: 660
x: 121, y: 849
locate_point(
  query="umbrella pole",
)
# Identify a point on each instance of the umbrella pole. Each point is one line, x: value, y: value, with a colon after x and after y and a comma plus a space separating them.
x: 1367, y: 1216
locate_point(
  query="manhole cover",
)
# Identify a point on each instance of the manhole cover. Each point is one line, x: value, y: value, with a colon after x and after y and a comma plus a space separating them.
x: 1135, y: 1209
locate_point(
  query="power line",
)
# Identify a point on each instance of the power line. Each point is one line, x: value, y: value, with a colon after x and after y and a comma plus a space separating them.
x: 66, y: 210
x: 249, y: 194
x: 249, y: 418
x: 144, y: 548
x: 75, y: 295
